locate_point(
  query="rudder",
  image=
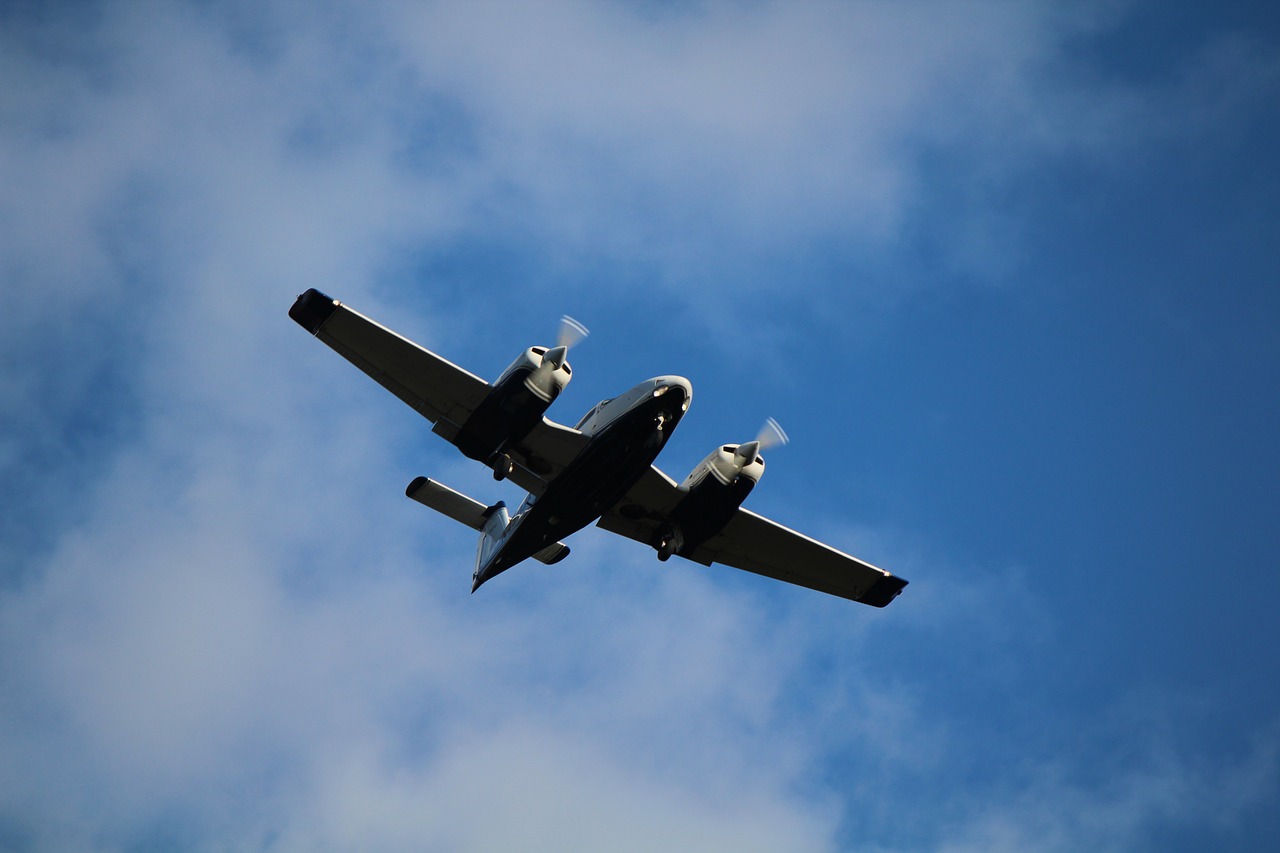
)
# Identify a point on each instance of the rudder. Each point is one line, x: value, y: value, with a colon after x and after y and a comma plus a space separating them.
x: 496, y: 519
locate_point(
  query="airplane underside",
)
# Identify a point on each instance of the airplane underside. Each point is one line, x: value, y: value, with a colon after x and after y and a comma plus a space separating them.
x: 595, y: 481
x: 600, y: 470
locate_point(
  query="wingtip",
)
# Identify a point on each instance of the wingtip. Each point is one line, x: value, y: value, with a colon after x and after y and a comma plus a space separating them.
x: 311, y: 309
x: 883, y: 591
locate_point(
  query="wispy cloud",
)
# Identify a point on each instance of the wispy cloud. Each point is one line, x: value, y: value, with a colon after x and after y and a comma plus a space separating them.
x: 216, y: 628
x: 1116, y: 804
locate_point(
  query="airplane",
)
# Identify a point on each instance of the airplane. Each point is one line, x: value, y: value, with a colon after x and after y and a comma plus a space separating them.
x: 600, y: 470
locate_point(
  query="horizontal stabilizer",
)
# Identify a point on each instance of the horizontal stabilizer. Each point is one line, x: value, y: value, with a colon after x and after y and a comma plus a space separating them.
x: 553, y: 553
x: 470, y: 512
x: 446, y: 501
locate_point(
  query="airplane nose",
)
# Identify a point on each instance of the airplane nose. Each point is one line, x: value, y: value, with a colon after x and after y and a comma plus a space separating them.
x: 666, y: 385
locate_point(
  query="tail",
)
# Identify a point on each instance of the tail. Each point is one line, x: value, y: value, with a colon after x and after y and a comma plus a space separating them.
x: 491, y: 521
x: 496, y: 519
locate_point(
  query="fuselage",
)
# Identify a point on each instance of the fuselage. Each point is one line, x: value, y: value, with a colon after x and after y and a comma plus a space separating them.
x: 625, y: 435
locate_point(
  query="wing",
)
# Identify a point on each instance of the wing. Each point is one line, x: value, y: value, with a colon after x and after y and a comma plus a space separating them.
x: 437, y: 389
x: 759, y: 545
x: 541, y: 455
x: 755, y: 544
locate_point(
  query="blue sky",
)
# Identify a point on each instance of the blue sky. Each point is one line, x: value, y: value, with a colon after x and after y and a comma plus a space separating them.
x: 1005, y: 272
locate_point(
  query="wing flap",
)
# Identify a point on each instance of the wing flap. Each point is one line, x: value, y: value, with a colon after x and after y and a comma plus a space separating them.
x: 642, y: 512
x: 644, y: 531
x: 543, y: 454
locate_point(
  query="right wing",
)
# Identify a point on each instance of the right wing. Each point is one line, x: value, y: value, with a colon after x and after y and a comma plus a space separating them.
x: 753, y: 543
x: 436, y: 388
x: 758, y: 544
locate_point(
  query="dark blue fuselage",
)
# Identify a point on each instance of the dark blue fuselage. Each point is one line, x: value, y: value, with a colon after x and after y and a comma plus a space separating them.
x: 617, y: 453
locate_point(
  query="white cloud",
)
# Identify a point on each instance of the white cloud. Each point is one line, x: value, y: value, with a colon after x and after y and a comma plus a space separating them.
x: 237, y: 633
x: 720, y: 126
x: 1117, y: 803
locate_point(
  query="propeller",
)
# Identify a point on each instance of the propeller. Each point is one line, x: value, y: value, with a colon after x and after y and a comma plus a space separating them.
x: 571, y: 332
x: 770, y: 435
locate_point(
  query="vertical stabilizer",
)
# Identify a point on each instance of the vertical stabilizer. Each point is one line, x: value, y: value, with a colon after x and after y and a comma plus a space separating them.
x: 495, y: 524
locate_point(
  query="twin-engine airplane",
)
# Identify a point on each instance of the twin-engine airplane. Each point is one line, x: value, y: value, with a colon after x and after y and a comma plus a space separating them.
x: 601, y: 470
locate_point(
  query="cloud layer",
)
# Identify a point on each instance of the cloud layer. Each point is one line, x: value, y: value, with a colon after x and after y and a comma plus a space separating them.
x: 219, y: 628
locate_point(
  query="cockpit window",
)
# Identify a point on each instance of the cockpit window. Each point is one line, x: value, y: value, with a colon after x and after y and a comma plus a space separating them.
x: 589, y: 415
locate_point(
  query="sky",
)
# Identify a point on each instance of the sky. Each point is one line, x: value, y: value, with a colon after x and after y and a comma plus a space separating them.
x: 1005, y: 272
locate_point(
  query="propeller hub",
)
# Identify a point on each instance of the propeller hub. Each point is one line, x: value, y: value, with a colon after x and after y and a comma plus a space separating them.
x: 556, y: 357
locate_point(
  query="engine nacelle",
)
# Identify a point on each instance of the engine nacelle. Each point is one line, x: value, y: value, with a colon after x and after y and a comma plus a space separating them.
x: 726, y: 466
x: 713, y: 491
x: 514, y: 406
x: 544, y: 372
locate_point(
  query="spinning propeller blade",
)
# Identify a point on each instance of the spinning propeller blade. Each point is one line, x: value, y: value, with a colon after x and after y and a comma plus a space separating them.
x: 571, y: 331
x: 771, y: 435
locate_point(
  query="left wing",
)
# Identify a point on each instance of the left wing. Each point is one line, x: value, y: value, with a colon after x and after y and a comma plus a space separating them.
x: 434, y: 387
x: 437, y: 389
x: 755, y: 544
